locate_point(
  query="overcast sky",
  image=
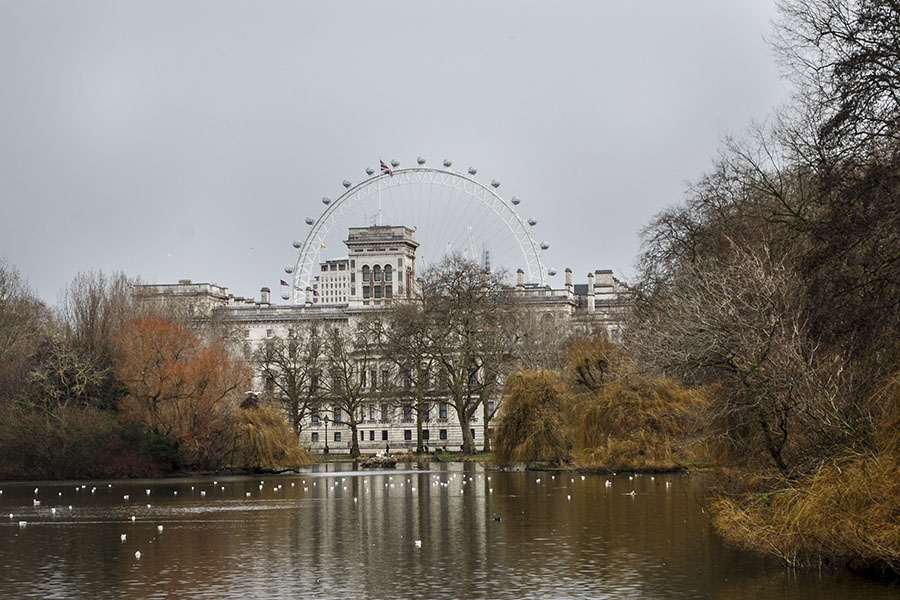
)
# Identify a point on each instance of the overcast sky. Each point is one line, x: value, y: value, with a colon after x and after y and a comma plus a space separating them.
x: 191, y: 139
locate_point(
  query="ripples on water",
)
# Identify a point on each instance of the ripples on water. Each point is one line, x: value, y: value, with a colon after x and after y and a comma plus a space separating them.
x: 342, y: 534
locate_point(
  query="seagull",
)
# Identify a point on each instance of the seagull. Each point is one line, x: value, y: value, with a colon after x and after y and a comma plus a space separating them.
x: 631, y: 493
x: 137, y: 554
x: 608, y: 483
x: 159, y: 528
x: 418, y: 543
x: 123, y: 537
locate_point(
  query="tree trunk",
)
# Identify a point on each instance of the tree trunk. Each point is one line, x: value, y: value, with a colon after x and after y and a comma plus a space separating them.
x: 468, y: 442
x: 487, y: 420
x: 354, y: 445
x: 420, y: 404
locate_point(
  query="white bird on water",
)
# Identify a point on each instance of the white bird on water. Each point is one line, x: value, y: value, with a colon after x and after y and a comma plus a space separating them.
x: 418, y: 543
x: 137, y: 554
x: 123, y: 537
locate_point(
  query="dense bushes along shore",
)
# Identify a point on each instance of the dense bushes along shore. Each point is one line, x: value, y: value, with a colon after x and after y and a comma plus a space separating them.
x: 775, y: 289
x: 99, y: 388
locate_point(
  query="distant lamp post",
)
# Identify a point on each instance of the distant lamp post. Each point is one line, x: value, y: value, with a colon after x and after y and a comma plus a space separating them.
x: 326, y: 433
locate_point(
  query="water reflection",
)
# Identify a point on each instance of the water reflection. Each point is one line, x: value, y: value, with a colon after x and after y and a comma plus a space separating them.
x: 342, y: 533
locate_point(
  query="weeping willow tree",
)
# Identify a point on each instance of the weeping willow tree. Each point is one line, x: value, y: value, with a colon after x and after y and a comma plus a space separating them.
x: 261, y: 438
x: 531, y: 426
x: 636, y: 422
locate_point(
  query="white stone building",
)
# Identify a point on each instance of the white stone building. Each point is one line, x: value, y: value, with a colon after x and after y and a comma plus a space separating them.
x: 379, y: 270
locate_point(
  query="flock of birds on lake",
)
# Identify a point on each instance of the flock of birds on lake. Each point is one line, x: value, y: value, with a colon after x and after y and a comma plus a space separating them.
x: 435, y: 482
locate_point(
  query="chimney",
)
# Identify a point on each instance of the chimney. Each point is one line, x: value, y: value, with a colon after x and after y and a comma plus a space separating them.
x: 264, y: 295
x: 590, y: 297
x: 568, y: 280
x: 309, y: 295
x: 520, y: 280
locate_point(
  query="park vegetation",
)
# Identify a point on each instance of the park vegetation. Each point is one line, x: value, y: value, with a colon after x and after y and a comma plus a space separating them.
x: 100, y: 387
x: 764, y: 336
x: 598, y: 412
x: 775, y: 287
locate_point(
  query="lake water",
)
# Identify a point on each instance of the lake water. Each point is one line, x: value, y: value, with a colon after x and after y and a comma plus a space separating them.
x: 439, y: 531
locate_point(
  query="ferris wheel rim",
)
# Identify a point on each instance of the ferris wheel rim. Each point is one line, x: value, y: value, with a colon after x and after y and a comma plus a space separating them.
x: 307, y: 256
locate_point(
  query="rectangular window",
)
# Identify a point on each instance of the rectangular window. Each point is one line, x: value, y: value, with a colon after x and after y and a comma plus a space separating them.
x: 246, y: 333
x: 378, y: 291
x: 337, y: 436
x: 315, y: 436
x: 407, y: 412
x: 362, y: 436
x: 314, y: 415
x: 371, y: 412
x: 337, y: 415
x: 490, y: 408
x: 374, y: 375
x: 366, y: 292
x: 425, y: 434
x: 384, y: 412
x: 472, y: 431
x: 388, y: 292
x: 426, y: 411
x: 290, y: 333
x: 384, y: 435
x: 442, y: 410
x: 269, y: 333
x: 400, y: 261
x: 407, y: 435
x: 385, y: 378
x: 443, y: 434
x: 371, y: 435
x: 407, y: 379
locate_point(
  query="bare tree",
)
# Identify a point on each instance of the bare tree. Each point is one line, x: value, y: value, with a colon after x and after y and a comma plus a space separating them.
x: 291, y: 369
x: 738, y: 323
x: 22, y: 318
x: 471, y: 324
x: 346, y: 356
x: 404, y: 339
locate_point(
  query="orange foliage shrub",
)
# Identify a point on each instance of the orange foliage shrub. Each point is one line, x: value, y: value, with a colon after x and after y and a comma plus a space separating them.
x: 178, y: 386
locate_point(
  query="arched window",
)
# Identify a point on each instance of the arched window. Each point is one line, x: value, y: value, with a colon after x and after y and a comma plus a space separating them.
x: 376, y: 273
x: 387, y: 272
x: 365, y: 272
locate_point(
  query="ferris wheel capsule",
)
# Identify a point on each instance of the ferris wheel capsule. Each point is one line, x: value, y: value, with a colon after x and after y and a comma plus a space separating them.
x: 326, y: 200
x: 515, y: 200
x: 551, y: 272
x: 310, y: 220
x: 370, y: 171
x: 495, y: 183
x: 285, y: 296
x: 297, y: 244
x: 544, y: 245
x: 289, y: 269
x: 532, y: 222
x: 347, y: 183
x: 472, y: 170
x: 448, y: 162
x: 395, y: 163
x: 421, y: 160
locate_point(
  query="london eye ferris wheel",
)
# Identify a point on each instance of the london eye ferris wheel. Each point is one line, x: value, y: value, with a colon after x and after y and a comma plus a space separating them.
x: 450, y: 212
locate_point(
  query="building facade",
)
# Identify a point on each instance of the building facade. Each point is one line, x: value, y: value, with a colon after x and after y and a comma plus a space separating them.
x: 378, y: 272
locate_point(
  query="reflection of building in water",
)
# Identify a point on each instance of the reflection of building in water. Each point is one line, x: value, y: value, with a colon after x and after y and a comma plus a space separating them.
x: 378, y: 271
